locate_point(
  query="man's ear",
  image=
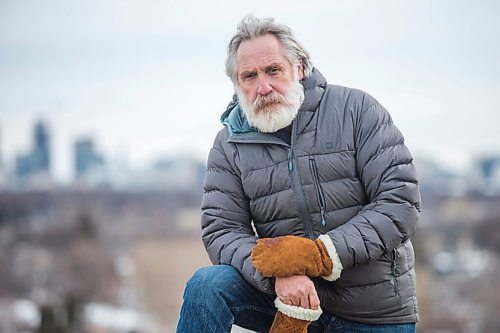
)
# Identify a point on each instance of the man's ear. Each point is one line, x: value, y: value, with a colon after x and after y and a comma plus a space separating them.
x: 300, y: 70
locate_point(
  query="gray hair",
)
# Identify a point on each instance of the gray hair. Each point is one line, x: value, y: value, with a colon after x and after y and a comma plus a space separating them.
x: 251, y: 27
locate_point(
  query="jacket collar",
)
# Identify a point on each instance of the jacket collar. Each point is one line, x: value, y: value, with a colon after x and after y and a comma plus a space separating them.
x: 314, y: 87
x: 235, y: 121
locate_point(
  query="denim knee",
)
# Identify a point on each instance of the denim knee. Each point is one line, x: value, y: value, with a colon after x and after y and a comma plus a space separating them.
x: 211, y: 280
x: 208, y: 300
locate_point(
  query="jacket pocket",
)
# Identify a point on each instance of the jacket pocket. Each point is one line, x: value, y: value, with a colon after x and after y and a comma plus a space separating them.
x: 317, y: 186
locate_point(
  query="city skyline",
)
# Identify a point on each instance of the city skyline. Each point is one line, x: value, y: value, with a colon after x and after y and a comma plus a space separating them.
x: 92, y: 170
x: 147, y: 79
x: 31, y: 170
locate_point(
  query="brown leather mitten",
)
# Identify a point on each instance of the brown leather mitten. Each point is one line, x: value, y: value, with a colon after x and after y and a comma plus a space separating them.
x: 284, y: 324
x: 291, y: 255
x: 292, y: 319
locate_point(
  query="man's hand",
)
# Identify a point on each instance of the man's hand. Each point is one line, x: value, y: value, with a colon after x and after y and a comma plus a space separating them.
x: 291, y: 255
x: 297, y: 290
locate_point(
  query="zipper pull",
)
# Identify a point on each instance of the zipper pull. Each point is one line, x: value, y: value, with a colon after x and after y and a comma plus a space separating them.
x: 323, y: 222
x: 394, y: 259
x: 290, y: 160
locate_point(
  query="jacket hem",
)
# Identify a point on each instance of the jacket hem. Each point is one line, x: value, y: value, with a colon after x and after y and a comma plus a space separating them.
x: 407, y: 319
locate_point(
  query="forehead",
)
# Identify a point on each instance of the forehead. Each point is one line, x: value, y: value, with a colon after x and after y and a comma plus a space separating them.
x: 260, y: 52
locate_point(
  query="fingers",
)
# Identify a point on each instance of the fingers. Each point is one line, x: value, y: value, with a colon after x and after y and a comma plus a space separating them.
x: 289, y: 301
x: 304, y: 302
x: 297, y: 290
x: 313, y: 300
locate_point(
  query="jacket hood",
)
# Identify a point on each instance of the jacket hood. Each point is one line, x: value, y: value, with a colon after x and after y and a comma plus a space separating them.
x: 234, y: 119
x: 236, y: 122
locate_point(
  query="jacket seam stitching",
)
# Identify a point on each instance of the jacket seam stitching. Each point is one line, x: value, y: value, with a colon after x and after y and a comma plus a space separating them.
x: 258, y: 198
x: 335, y: 180
x: 343, y: 208
x: 277, y: 220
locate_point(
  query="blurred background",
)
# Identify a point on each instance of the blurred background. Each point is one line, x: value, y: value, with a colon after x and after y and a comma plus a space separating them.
x: 108, y: 110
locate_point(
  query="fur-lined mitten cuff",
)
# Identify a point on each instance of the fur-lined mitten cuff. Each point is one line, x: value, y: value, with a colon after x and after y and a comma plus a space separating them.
x: 292, y: 319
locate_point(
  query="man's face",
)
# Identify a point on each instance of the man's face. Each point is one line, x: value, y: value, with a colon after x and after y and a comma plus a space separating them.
x: 268, y: 85
x: 262, y: 67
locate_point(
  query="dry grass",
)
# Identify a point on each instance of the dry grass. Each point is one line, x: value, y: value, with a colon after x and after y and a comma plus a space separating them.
x: 162, y: 269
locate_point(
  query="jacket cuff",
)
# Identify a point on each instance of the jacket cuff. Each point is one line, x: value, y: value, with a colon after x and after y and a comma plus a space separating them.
x: 297, y: 312
x: 332, y: 252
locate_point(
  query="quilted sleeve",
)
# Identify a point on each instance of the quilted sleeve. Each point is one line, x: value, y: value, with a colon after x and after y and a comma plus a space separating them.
x: 226, y: 221
x: 385, y: 168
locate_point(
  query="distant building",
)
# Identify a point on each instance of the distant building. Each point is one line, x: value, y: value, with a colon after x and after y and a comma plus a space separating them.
x: 437, y: 180
x: 89, y: 164
x: 182, y: 173
x: 489, y: 167
x: 33, y: 168
x: 177, y: 173
x: 86, y: 158
x: 489, y: 174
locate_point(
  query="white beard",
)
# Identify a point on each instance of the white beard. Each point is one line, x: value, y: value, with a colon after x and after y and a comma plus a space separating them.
x: 274, y: 111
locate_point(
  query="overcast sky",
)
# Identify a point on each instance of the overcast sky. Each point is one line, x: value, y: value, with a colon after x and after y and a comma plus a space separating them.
x: 146, y: 78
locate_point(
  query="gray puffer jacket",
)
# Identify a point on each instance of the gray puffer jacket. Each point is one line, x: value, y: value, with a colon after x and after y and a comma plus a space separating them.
x: 347, y: 174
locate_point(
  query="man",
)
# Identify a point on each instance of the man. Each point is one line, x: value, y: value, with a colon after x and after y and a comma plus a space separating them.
x: 318, y: 177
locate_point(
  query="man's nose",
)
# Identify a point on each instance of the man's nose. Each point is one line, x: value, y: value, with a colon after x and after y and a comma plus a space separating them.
x: 264, y: 87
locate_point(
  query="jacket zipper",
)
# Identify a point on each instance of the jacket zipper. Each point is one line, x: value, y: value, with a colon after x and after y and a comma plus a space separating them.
x: 317, y: 186
x: 297, y: 187
x: 290, y: 159
x: 294, y: 174
x: 393, y: 270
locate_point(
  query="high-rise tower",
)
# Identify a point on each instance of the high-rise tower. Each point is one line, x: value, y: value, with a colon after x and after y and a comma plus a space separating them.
x: 37, y: 161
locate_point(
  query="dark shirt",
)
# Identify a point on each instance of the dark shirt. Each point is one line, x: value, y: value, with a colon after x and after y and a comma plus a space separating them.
x: 284, y: 134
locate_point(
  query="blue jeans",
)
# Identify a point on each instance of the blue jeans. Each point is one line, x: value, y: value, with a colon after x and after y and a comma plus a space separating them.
x: 217, y: 297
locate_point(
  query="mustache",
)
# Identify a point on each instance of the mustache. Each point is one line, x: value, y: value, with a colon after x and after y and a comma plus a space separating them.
x: 272, y: 98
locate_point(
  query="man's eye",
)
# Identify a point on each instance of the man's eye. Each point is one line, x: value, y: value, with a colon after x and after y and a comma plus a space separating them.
x: 248, y: 76
x: 273, y: 70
